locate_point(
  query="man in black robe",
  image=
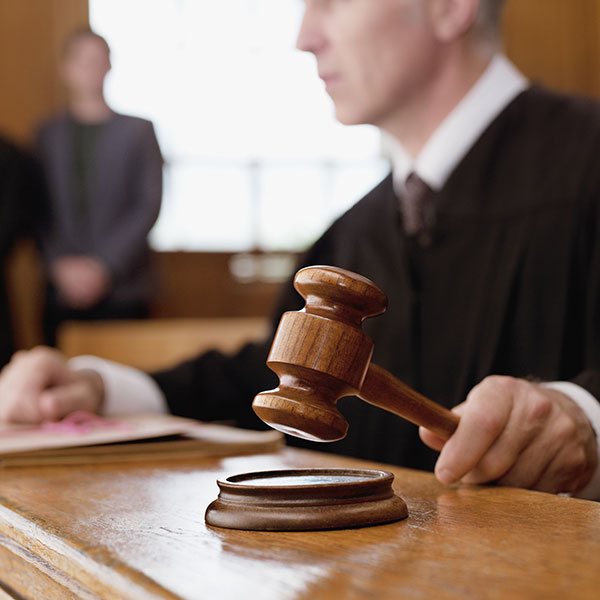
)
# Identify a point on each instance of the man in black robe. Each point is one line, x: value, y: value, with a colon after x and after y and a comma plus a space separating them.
x: 493, y: 279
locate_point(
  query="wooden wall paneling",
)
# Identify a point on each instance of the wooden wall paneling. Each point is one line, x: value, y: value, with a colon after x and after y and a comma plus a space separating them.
x: 31, y: 35
x: 556, y: 42
x: 200, y: 284
x: 28, y: 87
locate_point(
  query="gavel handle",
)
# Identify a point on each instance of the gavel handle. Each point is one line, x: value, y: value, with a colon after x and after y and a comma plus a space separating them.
x: 382, y: 389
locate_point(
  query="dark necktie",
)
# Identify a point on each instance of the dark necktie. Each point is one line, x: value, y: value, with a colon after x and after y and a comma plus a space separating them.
x: 416, y: 205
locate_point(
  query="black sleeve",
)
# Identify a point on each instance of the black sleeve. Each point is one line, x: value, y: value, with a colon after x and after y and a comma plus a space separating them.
x: 218, y: 387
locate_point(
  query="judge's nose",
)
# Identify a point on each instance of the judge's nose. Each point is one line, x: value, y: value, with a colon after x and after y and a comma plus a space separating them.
x: 311, y: 37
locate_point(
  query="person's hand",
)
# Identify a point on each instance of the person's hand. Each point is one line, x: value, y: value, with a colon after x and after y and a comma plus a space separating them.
x: 81, y: 281
x: 518, y: 434
x: 37, y: 385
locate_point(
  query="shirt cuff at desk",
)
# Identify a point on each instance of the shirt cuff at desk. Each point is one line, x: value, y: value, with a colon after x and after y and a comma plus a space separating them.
x: 591, y: 407
x: 127, y: 390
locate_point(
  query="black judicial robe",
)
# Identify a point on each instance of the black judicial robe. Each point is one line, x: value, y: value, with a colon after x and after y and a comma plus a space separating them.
x: 510, y: 284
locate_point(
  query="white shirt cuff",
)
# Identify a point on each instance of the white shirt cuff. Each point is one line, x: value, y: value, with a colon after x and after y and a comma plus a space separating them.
x: 127, y: 390
x: 591, y: 407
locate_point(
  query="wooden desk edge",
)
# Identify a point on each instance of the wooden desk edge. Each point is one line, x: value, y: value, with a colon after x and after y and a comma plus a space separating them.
x: 67, y: 562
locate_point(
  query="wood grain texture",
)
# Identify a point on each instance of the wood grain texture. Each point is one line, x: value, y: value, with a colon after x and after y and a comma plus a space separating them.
x: 31, y: 577
x: 139, y: 532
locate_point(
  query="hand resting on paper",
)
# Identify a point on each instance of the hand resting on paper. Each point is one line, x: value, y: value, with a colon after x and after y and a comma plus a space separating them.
x: 519, y: 434
x: 37, y: 385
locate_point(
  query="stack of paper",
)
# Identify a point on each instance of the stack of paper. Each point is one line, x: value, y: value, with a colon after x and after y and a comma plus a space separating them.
x: 82, y: 438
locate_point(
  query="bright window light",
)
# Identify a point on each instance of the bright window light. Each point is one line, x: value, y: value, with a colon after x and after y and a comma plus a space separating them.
x: 254, y: 156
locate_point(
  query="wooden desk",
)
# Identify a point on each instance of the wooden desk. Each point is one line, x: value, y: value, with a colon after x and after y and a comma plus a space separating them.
x: 138, y: 532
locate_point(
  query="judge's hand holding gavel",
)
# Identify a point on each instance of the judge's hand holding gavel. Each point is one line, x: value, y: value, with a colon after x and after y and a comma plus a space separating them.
x: 508, y: 430
x: 518, y: 434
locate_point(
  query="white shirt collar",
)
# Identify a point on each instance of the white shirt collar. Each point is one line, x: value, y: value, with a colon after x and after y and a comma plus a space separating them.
x: 500, y: 83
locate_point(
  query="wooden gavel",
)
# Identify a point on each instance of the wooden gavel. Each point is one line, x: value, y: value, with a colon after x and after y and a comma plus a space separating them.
x: 321, y: 354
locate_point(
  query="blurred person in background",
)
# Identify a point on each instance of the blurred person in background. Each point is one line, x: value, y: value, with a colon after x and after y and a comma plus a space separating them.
x: 103, y: 171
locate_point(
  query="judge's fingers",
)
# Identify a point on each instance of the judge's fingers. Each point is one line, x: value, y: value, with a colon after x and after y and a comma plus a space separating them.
x: 555, y: 470
x: 563, y: 458
x: 485, y: 415
x: 431, y: 439
x: 24, y: 378
x: 85, y: 392
x: 525, y: 445
x: 569, y: 471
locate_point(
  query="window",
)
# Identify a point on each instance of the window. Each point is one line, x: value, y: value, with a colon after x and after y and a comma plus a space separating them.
x: 254, y: 156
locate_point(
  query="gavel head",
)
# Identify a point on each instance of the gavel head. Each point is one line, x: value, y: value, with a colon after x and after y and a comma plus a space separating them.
x: 320, y: 353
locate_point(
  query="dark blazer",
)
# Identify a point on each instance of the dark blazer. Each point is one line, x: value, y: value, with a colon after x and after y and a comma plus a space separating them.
x: 124, y: 200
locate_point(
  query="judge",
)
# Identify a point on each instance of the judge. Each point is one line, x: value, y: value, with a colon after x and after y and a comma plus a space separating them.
x: 485, y: 238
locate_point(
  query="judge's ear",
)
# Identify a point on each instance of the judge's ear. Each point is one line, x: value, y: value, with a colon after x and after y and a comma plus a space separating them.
x: 451, y: 19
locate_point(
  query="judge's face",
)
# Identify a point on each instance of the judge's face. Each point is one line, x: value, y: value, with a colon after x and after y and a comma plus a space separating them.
x: 85, y: 65
x: 375, y: 57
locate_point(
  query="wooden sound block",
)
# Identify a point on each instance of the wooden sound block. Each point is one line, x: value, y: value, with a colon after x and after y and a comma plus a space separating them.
x: 306, y: 499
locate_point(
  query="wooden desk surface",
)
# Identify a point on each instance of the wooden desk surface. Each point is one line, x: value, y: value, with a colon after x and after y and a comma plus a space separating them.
x: 138, y: 531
